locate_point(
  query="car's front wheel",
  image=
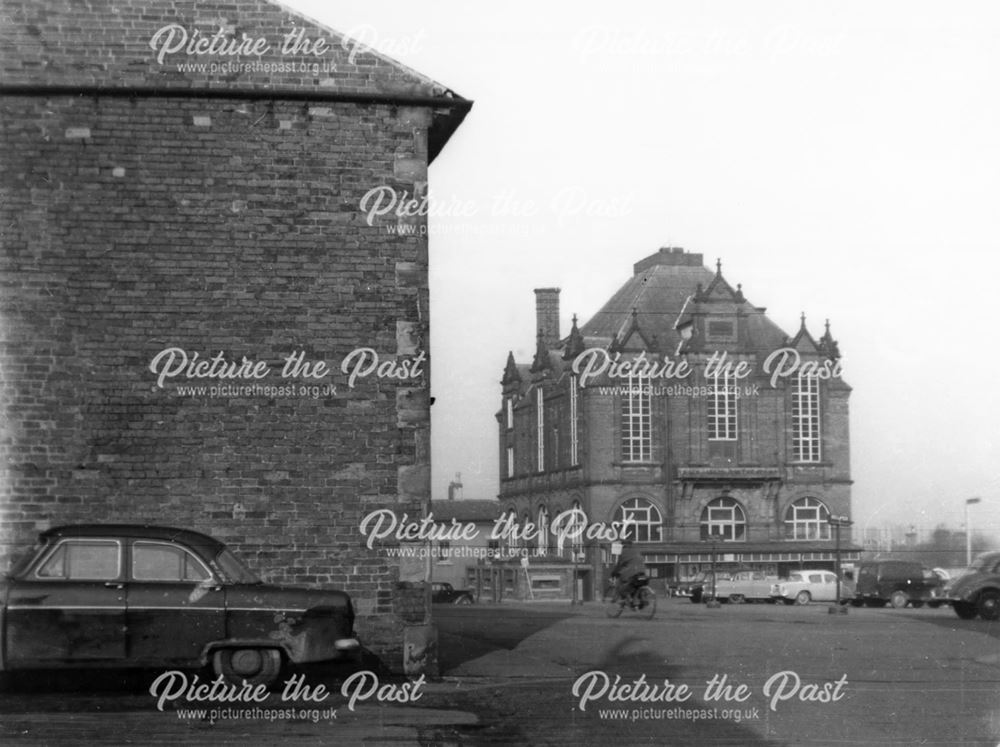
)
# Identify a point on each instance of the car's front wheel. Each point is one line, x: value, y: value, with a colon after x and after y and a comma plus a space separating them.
x: 899, y: 599
x: 988, y: 605
x: 803, y: 597
x: 257, y: 666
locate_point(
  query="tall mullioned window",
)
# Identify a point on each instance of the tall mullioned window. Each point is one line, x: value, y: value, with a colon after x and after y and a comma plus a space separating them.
x: 510, y: 461
x: 574, y: 436
x: 721, y: 407
x: 805, y: 419
x: 543, y: 531
x: 540, y: 427
x: 636, y: 426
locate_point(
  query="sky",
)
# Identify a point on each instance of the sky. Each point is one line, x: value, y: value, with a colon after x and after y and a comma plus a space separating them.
x: 842, y: 159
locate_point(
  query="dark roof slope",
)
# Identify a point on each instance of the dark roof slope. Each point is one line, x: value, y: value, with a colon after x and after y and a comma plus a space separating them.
x: 657, y: 292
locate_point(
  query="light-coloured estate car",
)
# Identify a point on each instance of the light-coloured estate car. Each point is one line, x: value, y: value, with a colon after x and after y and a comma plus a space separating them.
x: 802, y: 587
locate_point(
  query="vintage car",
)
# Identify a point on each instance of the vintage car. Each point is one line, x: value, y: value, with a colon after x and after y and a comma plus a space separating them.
x: 802, y: 587
x: 444, y: 593
x: 898, y: 583
x: 743, y: 586
x: 145, y: 596
x: 699, y: 588
x: 977, y: 591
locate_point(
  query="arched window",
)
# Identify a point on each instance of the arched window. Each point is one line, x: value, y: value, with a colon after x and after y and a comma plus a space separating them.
x: 639, y: 520
x: 725, y: 520
x: 543, y: 530
x: 807, y: 519
x: 525, y: 521
x: 511, y: 516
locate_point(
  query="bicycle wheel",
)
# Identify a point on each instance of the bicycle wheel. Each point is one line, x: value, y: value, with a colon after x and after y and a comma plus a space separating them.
x: 647, y: 602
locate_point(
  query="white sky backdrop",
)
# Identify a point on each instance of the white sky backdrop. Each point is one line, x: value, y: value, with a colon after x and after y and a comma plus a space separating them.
x: 842, y: 158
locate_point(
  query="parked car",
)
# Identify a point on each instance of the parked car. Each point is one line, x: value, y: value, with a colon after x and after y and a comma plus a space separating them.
x: 444, y: 593
x: 145, y: 596
x: 803, y: 587
x: 744, y: 586
x: 686, y: 587
x: 700, y: 588
x: 896, y: 582
x: 977, y: 591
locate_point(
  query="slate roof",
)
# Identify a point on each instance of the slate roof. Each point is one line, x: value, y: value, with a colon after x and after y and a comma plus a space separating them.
x: 658, y: 295
x: 655, y: 308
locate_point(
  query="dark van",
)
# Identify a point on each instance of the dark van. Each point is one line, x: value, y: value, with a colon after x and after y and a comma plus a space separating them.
x: 896, y: 582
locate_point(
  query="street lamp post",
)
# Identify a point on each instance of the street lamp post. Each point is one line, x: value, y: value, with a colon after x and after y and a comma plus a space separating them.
x: 837, y: 522
x: 714, y: 534
x: 968, y: 530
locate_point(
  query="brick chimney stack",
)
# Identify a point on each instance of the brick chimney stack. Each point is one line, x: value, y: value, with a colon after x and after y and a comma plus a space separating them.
x: 547, y: 310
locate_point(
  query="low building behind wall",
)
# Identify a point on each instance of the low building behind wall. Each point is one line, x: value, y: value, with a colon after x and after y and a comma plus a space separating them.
x: 184, y: 244
x: 682, y: 416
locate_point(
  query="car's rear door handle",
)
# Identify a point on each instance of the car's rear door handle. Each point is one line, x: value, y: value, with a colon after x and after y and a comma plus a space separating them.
x: 114, y: 585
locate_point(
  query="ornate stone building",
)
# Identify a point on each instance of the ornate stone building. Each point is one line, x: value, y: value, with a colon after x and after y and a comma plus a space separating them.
x: 680, y: 415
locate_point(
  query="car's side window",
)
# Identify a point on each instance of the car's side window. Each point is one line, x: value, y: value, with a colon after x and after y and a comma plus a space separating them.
x: 153, y: 561
x: 83, y: 560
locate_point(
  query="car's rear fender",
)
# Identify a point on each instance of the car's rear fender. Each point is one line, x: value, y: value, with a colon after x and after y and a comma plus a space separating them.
x: 310, y: 646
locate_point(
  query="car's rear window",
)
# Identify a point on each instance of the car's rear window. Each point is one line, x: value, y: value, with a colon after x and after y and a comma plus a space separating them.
x: 83, y: 560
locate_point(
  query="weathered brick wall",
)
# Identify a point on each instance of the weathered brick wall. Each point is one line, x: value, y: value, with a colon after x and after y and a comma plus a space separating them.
x: 108, y: 43
x: 223, y: 217
x: 130, y: 226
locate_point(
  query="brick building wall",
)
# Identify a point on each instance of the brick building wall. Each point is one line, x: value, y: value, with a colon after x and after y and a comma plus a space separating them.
x: 136, y: 220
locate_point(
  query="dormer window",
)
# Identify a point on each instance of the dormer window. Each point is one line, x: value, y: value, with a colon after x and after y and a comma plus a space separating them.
x: 720, y: 330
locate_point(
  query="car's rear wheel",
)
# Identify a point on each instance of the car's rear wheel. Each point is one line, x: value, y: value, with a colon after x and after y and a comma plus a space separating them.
x: 965, y: 610
x: 737, y: 598
x: 899, y: 599
x: 257, y: 666
x: 988, y: 605
x: 803, y: 597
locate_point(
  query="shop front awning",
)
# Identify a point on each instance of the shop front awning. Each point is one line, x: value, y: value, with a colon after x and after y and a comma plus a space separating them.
x: 750, y: 552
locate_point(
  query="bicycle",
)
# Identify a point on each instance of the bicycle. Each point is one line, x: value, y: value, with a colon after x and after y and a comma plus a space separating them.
x: 640, y: 598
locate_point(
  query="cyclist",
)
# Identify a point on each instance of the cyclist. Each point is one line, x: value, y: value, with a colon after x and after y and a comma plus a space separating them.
x: 628, y: 569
